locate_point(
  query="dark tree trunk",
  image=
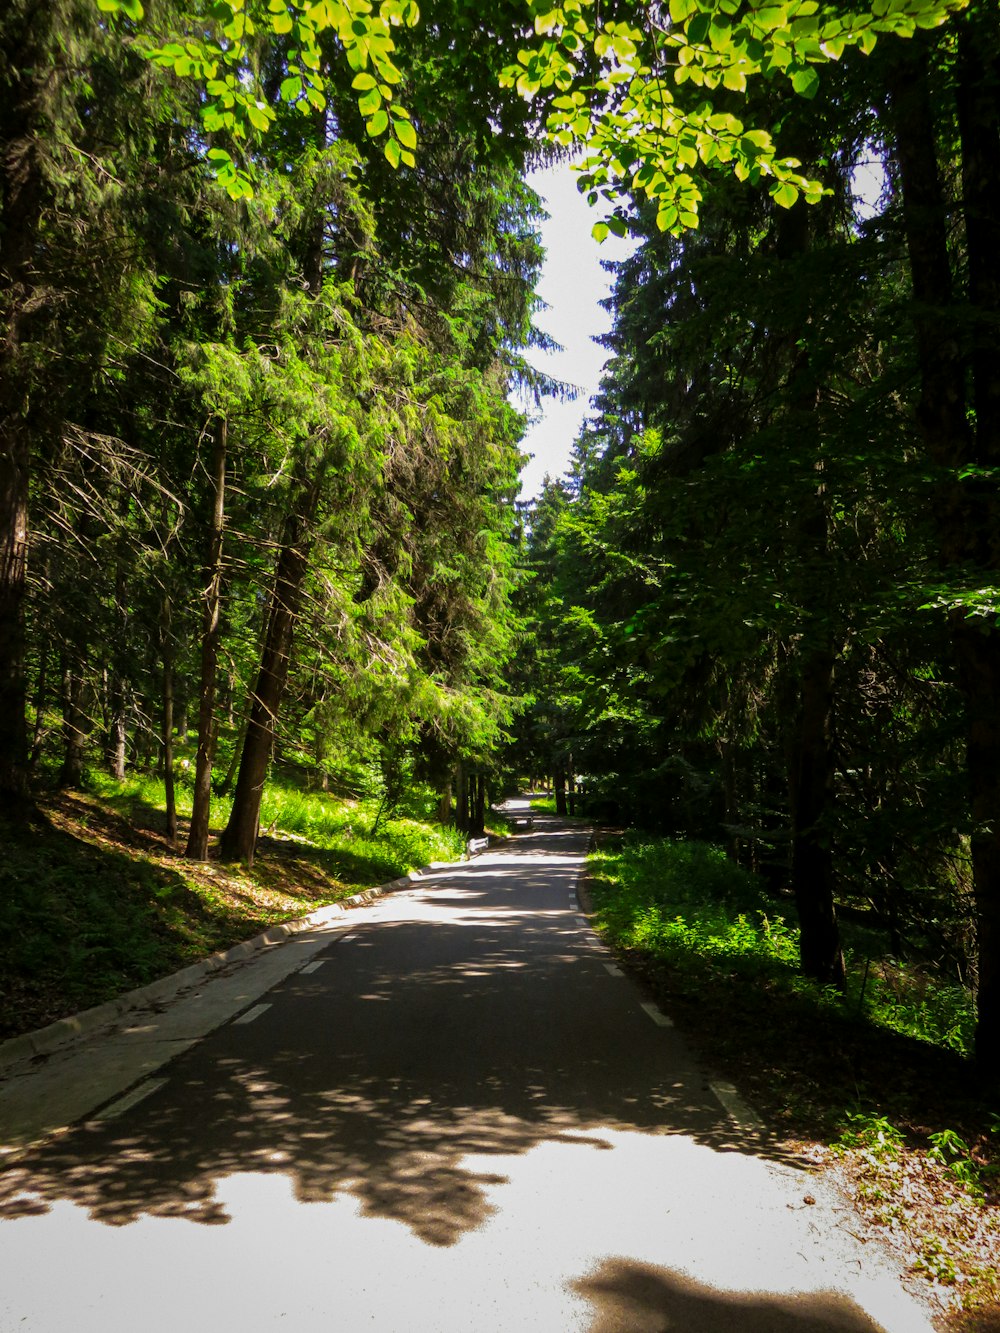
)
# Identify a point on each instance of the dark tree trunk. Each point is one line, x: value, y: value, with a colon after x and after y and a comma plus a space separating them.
x: 74, y: 727
x: 809, y: 736
x: 41, y: 699
x: 226, y: 785
x: 14, y: 456
x: 167, y: 717
x: 810, y: 779
x: 117, y: 728
x: 560, y: 786
x: 239, y: 838
x: 967, y: 510
x: 197, y: 843
x: 977, y: 642
x: 731, y: 798
x: 461, y: 798
x: 478, y: 803
x: 25, y: 66
x: 444, y: 804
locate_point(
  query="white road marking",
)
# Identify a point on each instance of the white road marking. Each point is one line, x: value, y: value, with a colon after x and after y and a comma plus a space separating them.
x: 313, y: 967
x: 251, y: 1014
x: 659, y: 1018
x: 130, y: 1099
x: 346, y: 939
x: 582, y: 920
x: 744, y: 1116
x: 612, y: 970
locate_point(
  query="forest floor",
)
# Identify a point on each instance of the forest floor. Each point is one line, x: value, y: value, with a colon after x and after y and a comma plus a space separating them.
x: 95, y: 900
x: 866, y: 1104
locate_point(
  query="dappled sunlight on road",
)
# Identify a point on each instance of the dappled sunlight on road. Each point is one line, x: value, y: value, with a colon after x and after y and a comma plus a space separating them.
x: 508, y: 1235
x: 459, y: 1121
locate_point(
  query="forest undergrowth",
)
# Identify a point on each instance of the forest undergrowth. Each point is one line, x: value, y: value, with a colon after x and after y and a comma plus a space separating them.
x: 874, y: 1084
x: 95, y: 900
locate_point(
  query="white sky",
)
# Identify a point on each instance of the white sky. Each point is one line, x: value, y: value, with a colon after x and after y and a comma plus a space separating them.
x: 572, y: 285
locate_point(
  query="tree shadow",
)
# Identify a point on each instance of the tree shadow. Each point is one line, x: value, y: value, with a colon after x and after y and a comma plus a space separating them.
x: 637, y: 1298
x: 487, y: 1027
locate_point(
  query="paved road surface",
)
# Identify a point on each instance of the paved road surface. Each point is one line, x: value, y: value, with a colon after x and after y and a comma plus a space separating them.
x: 455, y: 1116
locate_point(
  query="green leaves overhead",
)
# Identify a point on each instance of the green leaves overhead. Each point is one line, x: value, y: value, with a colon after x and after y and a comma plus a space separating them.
x: 639, y: 138
x: 609, y: 86
x: 221, y: 51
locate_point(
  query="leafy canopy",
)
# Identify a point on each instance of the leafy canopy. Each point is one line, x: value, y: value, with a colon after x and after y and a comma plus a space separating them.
x: 222, y: 52
x: 613, y: 86
x: 618, y: 87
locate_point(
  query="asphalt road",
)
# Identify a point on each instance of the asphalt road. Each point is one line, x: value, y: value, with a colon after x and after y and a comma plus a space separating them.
x: 455, y: 1115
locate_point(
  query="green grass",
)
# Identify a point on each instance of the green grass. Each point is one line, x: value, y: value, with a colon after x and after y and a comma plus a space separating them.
x: 545, y: 805
x: 877, y: 1076
x: 94, y: 901
x: 686, y: 904
x: 323, y: 822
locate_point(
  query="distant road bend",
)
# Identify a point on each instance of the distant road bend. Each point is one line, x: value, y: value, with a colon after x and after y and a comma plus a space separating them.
x: 457, y: 1116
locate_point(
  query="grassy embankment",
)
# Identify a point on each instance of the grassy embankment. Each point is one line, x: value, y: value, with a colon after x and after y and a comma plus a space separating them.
x: 878, y: 1078
x: 94, y: 900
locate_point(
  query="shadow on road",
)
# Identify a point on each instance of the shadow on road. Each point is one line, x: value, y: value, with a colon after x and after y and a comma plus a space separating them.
x: 636, y: 1298
x: 484, y: 1027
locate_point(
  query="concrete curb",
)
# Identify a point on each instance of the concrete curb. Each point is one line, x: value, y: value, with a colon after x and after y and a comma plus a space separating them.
x: 48, y: 1039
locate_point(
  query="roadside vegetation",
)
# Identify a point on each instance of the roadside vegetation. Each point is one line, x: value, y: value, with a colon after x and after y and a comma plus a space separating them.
x: 96, y: 900
x: 875, y: 1079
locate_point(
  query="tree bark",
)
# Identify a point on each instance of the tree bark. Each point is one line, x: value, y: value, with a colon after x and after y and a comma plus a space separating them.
x: 461, y: 798
x: 167, y: 717
x: 23, y: 192
x: 197, y: 843
x: 977, y: 640
x: 239, y: 838
x: 478, y: 812
x: 966, y: 509
x: 74, y: 727
x: 560, y: 789
x: 41, y: 693
x: 810, y: 781
x: 444, y: 804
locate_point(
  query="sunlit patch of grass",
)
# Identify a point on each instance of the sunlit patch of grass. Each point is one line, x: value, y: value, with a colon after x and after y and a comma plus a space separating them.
x: 94, y: 900
x: 873, y: 1075
x: 686, y: 903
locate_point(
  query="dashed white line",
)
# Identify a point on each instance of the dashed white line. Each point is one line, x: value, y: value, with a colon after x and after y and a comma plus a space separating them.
x: 744, y: 1116
x: 659, y: 1018
x: 346, y: 939
x: 130, y: 1099
x: 251, y: 1014
x: 612, y: 970
x: 313, y: 967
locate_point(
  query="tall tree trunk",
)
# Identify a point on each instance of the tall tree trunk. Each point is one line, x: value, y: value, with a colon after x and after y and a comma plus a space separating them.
x: 74, y: 726
x: 966, y: 510
x: 977, y: 641
x: 461, y: 798
x: 14, y: 455
x: 478, y: 804
x: 810, y: 779
x: 41, y: 699
x: 226, y: 786
x: 809, y: 736
x: 239, y: 838
x: 444, y: 803
x: 197, y: 843
x: 26, y: 68
x: 167, y: 716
